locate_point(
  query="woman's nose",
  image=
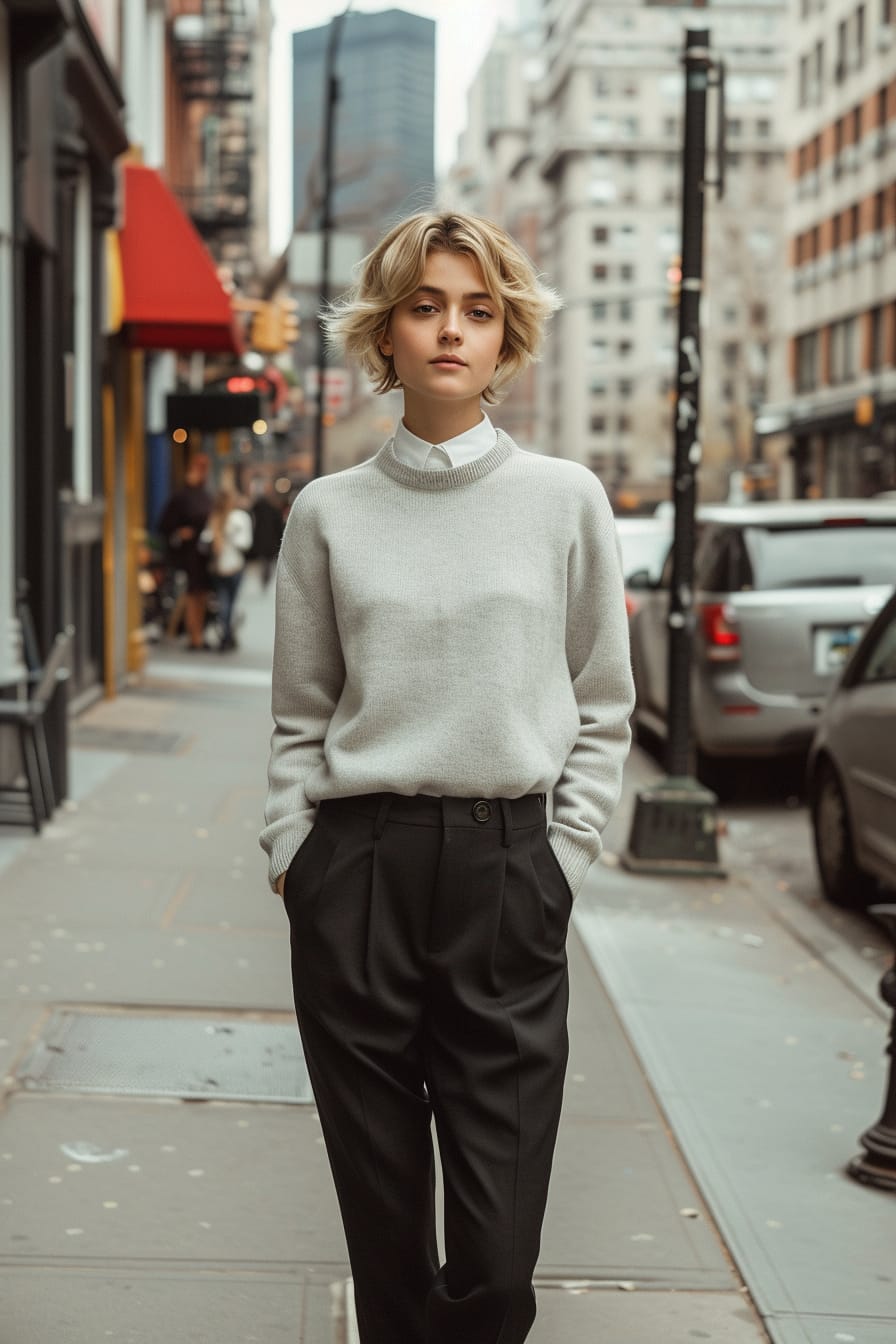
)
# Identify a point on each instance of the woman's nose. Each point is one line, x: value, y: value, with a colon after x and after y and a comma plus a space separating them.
x: 451, y: 329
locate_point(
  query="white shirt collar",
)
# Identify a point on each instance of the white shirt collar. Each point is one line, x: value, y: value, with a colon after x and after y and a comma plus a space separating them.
x: 456, y: 452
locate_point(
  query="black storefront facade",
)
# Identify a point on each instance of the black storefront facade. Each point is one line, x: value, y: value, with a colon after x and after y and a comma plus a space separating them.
x: 63, y: 131
x: 842, y: 445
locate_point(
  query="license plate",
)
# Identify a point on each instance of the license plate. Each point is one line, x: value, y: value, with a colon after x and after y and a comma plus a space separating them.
x: 833, y: 645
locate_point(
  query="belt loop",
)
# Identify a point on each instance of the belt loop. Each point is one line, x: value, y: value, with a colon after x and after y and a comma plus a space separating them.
x: 382, y: 815
x: 507, y: 819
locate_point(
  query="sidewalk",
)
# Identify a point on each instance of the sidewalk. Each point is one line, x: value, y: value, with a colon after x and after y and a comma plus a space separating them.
x: 144, y: 979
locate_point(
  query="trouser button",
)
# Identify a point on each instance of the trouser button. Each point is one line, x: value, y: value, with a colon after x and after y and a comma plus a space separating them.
x: 482, y: 810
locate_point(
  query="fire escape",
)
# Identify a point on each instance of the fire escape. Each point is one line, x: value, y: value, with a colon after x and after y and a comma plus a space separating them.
x: 213, y: 60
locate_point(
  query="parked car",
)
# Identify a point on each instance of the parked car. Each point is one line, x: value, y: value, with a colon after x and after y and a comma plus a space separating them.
x: 852, y: 771
x: 644, y: 544
x: 782, y: 593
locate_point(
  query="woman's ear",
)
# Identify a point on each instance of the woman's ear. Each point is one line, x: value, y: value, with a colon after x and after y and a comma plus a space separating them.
x: 385, y: 344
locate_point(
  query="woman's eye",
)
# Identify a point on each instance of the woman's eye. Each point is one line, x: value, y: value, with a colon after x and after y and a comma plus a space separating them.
x: 425, y: 308
x: 480, y: 312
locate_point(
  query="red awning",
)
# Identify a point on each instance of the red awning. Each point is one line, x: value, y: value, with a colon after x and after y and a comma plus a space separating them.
x: 173, y: 299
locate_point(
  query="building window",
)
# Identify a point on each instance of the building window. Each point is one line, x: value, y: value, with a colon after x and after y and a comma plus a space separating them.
x: 624, y: 424
x: 601, y: 234
x: 627, y: 271
x: 859, y: 49
x: 598, y: 424
x: 627, y: 236
x: 729, y: 354
x: 600, y: 271
x: 625, y: 387
x: 840, y: 67
x: 807, y: 362
x: 844, y: 350
x: 598, y: 387
x: 625, y: 349
x: 599, y: 312
x: 733, y: 125
x: 625, y: 310
x: 876, y: 338
x: 763, y: 128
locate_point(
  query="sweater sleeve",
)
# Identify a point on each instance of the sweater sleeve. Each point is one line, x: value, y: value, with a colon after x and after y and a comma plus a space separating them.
x: 307, y: 680
x: 597, y: 651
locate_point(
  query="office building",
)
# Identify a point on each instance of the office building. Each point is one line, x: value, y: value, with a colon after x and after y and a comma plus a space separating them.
x: 385, y: 120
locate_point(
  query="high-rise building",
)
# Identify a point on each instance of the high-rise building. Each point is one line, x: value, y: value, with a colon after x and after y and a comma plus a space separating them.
x: 840, y: 415
x: 385, y: 120
x: 596, y: 154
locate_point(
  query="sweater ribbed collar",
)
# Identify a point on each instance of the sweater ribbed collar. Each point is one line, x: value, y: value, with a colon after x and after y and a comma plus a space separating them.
x: 449, y: 477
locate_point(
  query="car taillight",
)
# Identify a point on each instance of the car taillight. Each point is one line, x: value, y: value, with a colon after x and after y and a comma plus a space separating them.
x: 720, y: 632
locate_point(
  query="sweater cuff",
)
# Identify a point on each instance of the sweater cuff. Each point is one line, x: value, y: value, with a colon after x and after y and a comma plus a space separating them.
x: 574, y: 856
x: 285, y: 848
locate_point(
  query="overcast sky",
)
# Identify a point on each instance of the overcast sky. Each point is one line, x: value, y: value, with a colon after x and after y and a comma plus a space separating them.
x: 464, y: 29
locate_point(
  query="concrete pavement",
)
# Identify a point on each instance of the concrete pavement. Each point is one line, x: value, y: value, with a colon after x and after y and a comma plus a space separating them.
x: 713, y: 1092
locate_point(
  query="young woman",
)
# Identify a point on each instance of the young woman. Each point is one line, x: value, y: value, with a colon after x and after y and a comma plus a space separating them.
x: 451, y: 647
x: 227, y: 538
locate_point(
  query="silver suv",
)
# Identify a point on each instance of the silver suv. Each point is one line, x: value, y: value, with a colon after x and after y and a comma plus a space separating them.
x: 783, y: 591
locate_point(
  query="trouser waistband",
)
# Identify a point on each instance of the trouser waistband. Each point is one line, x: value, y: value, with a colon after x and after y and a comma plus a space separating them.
x: 505, y: 814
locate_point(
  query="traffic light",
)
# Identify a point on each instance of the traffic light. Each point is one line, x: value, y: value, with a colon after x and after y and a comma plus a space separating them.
x: 275, y: 325
x: 289, y: 322
x: 673, y: 280
x: 265, y: 336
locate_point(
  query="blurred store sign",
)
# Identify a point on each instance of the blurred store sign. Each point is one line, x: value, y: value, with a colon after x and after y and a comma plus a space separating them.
x: 306, y: 259
x: 337, y: 385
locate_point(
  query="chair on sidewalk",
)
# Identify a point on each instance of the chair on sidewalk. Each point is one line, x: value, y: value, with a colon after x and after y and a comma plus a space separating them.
x: 36, y: 801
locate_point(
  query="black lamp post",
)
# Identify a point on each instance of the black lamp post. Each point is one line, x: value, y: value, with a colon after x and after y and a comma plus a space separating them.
x: 331, y: 98
x: 675, y: 825
x: 877, y: 1164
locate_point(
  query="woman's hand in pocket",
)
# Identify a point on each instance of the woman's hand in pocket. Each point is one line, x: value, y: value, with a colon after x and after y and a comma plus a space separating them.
x: 281, y: 883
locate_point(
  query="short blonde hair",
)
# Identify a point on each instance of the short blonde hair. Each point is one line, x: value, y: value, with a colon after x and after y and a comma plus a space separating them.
x: 392, y: 271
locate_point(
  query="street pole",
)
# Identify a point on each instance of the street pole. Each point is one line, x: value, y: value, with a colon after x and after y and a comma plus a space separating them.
x: 331, y: 98
x: 675, y: 825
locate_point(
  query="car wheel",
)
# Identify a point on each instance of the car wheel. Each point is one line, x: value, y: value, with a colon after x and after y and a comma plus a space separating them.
x: 844, y: 882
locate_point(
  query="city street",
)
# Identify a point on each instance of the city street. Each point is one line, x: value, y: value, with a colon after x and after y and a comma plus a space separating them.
x: 162, y: 1174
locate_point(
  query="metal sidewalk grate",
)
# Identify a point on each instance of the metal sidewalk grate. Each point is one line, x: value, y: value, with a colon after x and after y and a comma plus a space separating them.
x: 142, y: 1054
x: 129, y: 739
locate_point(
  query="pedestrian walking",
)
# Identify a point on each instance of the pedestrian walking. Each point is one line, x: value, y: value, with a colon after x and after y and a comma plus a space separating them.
x: 451, y: 650
x: 267, y: 533
x: 227, y: 539
x: 181, y: 522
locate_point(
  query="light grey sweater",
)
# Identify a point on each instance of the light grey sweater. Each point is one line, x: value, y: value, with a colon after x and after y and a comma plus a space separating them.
x: 459, y: 632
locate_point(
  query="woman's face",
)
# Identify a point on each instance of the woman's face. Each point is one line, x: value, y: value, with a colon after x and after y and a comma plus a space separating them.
x: 446, y: 338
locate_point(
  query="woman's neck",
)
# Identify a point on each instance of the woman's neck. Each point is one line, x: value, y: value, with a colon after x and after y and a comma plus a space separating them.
x: 438, y: 424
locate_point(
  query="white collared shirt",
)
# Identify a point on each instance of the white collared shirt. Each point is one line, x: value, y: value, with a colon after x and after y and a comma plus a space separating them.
x: 456, y: 452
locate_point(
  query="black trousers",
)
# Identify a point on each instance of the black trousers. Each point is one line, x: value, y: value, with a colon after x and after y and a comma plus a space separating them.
x: 428, y: 941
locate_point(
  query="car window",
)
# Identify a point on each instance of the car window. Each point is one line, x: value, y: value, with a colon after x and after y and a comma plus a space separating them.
x: 880, y: 664
x: 722, y: 564
x: 822, y: 557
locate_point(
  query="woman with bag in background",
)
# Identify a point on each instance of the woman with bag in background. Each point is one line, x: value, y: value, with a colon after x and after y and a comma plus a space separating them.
x: 227, y: 537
